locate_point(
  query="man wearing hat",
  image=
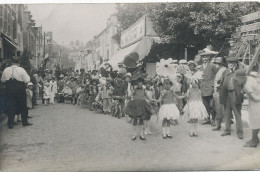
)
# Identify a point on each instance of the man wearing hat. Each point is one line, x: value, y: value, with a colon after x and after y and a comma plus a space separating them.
x: 207, y: 84
x: 219, y: 108
x: 15, y: 79
x: 231, y: 95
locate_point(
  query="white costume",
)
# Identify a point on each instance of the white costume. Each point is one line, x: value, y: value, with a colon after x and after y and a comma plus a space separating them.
x: 53, y: 90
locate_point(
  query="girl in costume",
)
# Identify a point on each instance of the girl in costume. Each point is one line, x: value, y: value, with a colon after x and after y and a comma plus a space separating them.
x: 194, y: 109
x: 168, y: 110
x: 138, y: 108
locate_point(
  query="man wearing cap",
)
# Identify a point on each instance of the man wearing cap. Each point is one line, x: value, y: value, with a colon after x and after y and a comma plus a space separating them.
x: 15, y: 79
x: 231, y: 97
x: 207, y: 84
x: 219, y: 108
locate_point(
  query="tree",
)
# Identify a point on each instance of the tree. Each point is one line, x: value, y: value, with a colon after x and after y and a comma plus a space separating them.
x: 190, y: 24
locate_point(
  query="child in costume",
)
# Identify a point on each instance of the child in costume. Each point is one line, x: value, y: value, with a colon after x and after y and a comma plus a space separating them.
x: 168, y: 110
x: 138, y: 108
x: 194, y: 109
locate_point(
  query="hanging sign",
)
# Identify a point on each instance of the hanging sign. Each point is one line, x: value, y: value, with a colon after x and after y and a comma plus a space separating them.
x: 250, y: 17
x: 133, y: 34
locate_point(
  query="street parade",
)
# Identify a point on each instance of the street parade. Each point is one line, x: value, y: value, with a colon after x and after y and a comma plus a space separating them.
x: 139, y: 102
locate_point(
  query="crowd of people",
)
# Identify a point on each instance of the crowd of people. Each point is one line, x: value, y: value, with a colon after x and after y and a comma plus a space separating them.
x: 211, y: 92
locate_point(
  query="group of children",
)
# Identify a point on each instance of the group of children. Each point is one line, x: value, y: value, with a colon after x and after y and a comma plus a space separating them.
x: 136, y: 96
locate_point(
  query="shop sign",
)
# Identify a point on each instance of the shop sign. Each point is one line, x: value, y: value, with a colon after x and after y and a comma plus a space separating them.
x: 133, y: 34
x: 250, y: 27
x: 250, y: 17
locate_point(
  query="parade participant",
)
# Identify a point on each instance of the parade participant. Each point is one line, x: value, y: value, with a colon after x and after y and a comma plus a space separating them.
x: 219, y: 108
x: 168, y: 110
x: 150, y: 97
x: 53, y: 90
x: 176, y: 87
x: 129, y: 91
x: 46, y: 93
x: 231, y: 97
x: 94, y: 75
x: 194, y: 110
x: 107, y: 91
x: 207, y: 85
x: 61, y: 83
x: 138, y: 108
x: 122, y: 69
x: 29, y: 94
x: 119, y: 92
x: 253, y: 93
x: 93, y: 92
x: 15, y: 78
x: 192, y: 66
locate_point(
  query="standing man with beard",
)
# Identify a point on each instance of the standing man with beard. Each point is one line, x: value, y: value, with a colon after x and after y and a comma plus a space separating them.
x: 231, y: 96
x: 15, y: 79
x: 207, y: 85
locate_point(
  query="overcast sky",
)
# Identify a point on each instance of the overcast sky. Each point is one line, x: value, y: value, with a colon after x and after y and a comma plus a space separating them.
x: 72, y: 21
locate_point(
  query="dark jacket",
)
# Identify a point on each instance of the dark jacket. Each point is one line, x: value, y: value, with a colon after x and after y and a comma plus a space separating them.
x: 226, y: 76
x: 207, y: 83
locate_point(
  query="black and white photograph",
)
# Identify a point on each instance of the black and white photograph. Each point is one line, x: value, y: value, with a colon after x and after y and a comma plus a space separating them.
x: 129, y: 86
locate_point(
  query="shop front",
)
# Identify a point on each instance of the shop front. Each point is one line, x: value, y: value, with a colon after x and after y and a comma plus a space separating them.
x: 135, y: 44
x: 9, y: 48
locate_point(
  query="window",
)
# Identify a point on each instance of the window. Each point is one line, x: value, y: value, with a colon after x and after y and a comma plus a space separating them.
x: 5, y: 14
x: 1, y: 11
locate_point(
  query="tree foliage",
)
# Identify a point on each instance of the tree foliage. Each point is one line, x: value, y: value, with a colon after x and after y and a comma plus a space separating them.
x: 191, y: 24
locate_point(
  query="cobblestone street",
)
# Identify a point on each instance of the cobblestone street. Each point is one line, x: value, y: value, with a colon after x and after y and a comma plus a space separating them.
x: 69, y: 138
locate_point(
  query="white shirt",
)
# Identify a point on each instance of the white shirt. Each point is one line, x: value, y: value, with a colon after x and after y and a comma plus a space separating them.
x: 15, y: 72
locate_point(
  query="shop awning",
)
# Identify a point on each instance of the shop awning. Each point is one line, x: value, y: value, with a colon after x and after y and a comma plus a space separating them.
x: 12, y: 43
x: 142, y: 48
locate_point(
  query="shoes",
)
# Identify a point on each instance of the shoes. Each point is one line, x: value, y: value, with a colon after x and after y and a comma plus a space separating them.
x: 216, y: 129
x: 15, y: 123
x: 164, y: 137
x: 213, y: 123
x: 169, y: 136
x: 10, y: 126
x: 133, y: 138
x: 225, y: 134
x: 231, y: 122
x: 29, y: 116
x: 149, y: 133
x: 142, y: 138
x: 251, y: 144
x: 193, y: 134
x: 27, y: 124
x: 206, y: 122
x: 240, y: 136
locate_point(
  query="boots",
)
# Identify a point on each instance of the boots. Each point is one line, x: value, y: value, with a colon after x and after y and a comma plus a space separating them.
x: 218, y: 126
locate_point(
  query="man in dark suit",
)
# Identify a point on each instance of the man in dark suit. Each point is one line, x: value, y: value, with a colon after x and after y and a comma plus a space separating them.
x: 207, y: 84
x: 231, y: 96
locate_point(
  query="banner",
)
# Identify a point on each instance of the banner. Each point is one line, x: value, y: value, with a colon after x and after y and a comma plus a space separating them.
x: 134, y: 33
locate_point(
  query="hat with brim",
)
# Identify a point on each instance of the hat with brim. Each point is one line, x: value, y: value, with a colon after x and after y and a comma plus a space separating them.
x: 231, y: 59
x: 183, y: 61
x: 192, y: 63
x: 240, y: 75
x: 30, y: 84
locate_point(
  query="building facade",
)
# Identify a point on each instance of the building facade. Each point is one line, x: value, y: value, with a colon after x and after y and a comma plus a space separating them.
x: 105, y: 45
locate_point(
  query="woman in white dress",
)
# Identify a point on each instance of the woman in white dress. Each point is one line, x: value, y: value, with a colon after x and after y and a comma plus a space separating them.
x: 253, y: 93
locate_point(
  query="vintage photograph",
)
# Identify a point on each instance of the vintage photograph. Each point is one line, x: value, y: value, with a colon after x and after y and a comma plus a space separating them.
x: 159, y: 86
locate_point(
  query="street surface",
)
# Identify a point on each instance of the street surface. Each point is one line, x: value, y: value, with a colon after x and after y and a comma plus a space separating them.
x: 68, y: 138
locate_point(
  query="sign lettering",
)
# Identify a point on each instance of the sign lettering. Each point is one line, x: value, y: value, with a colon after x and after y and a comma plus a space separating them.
x: 250, y: 17
x: 133, y: 34
x: 250, y: 27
